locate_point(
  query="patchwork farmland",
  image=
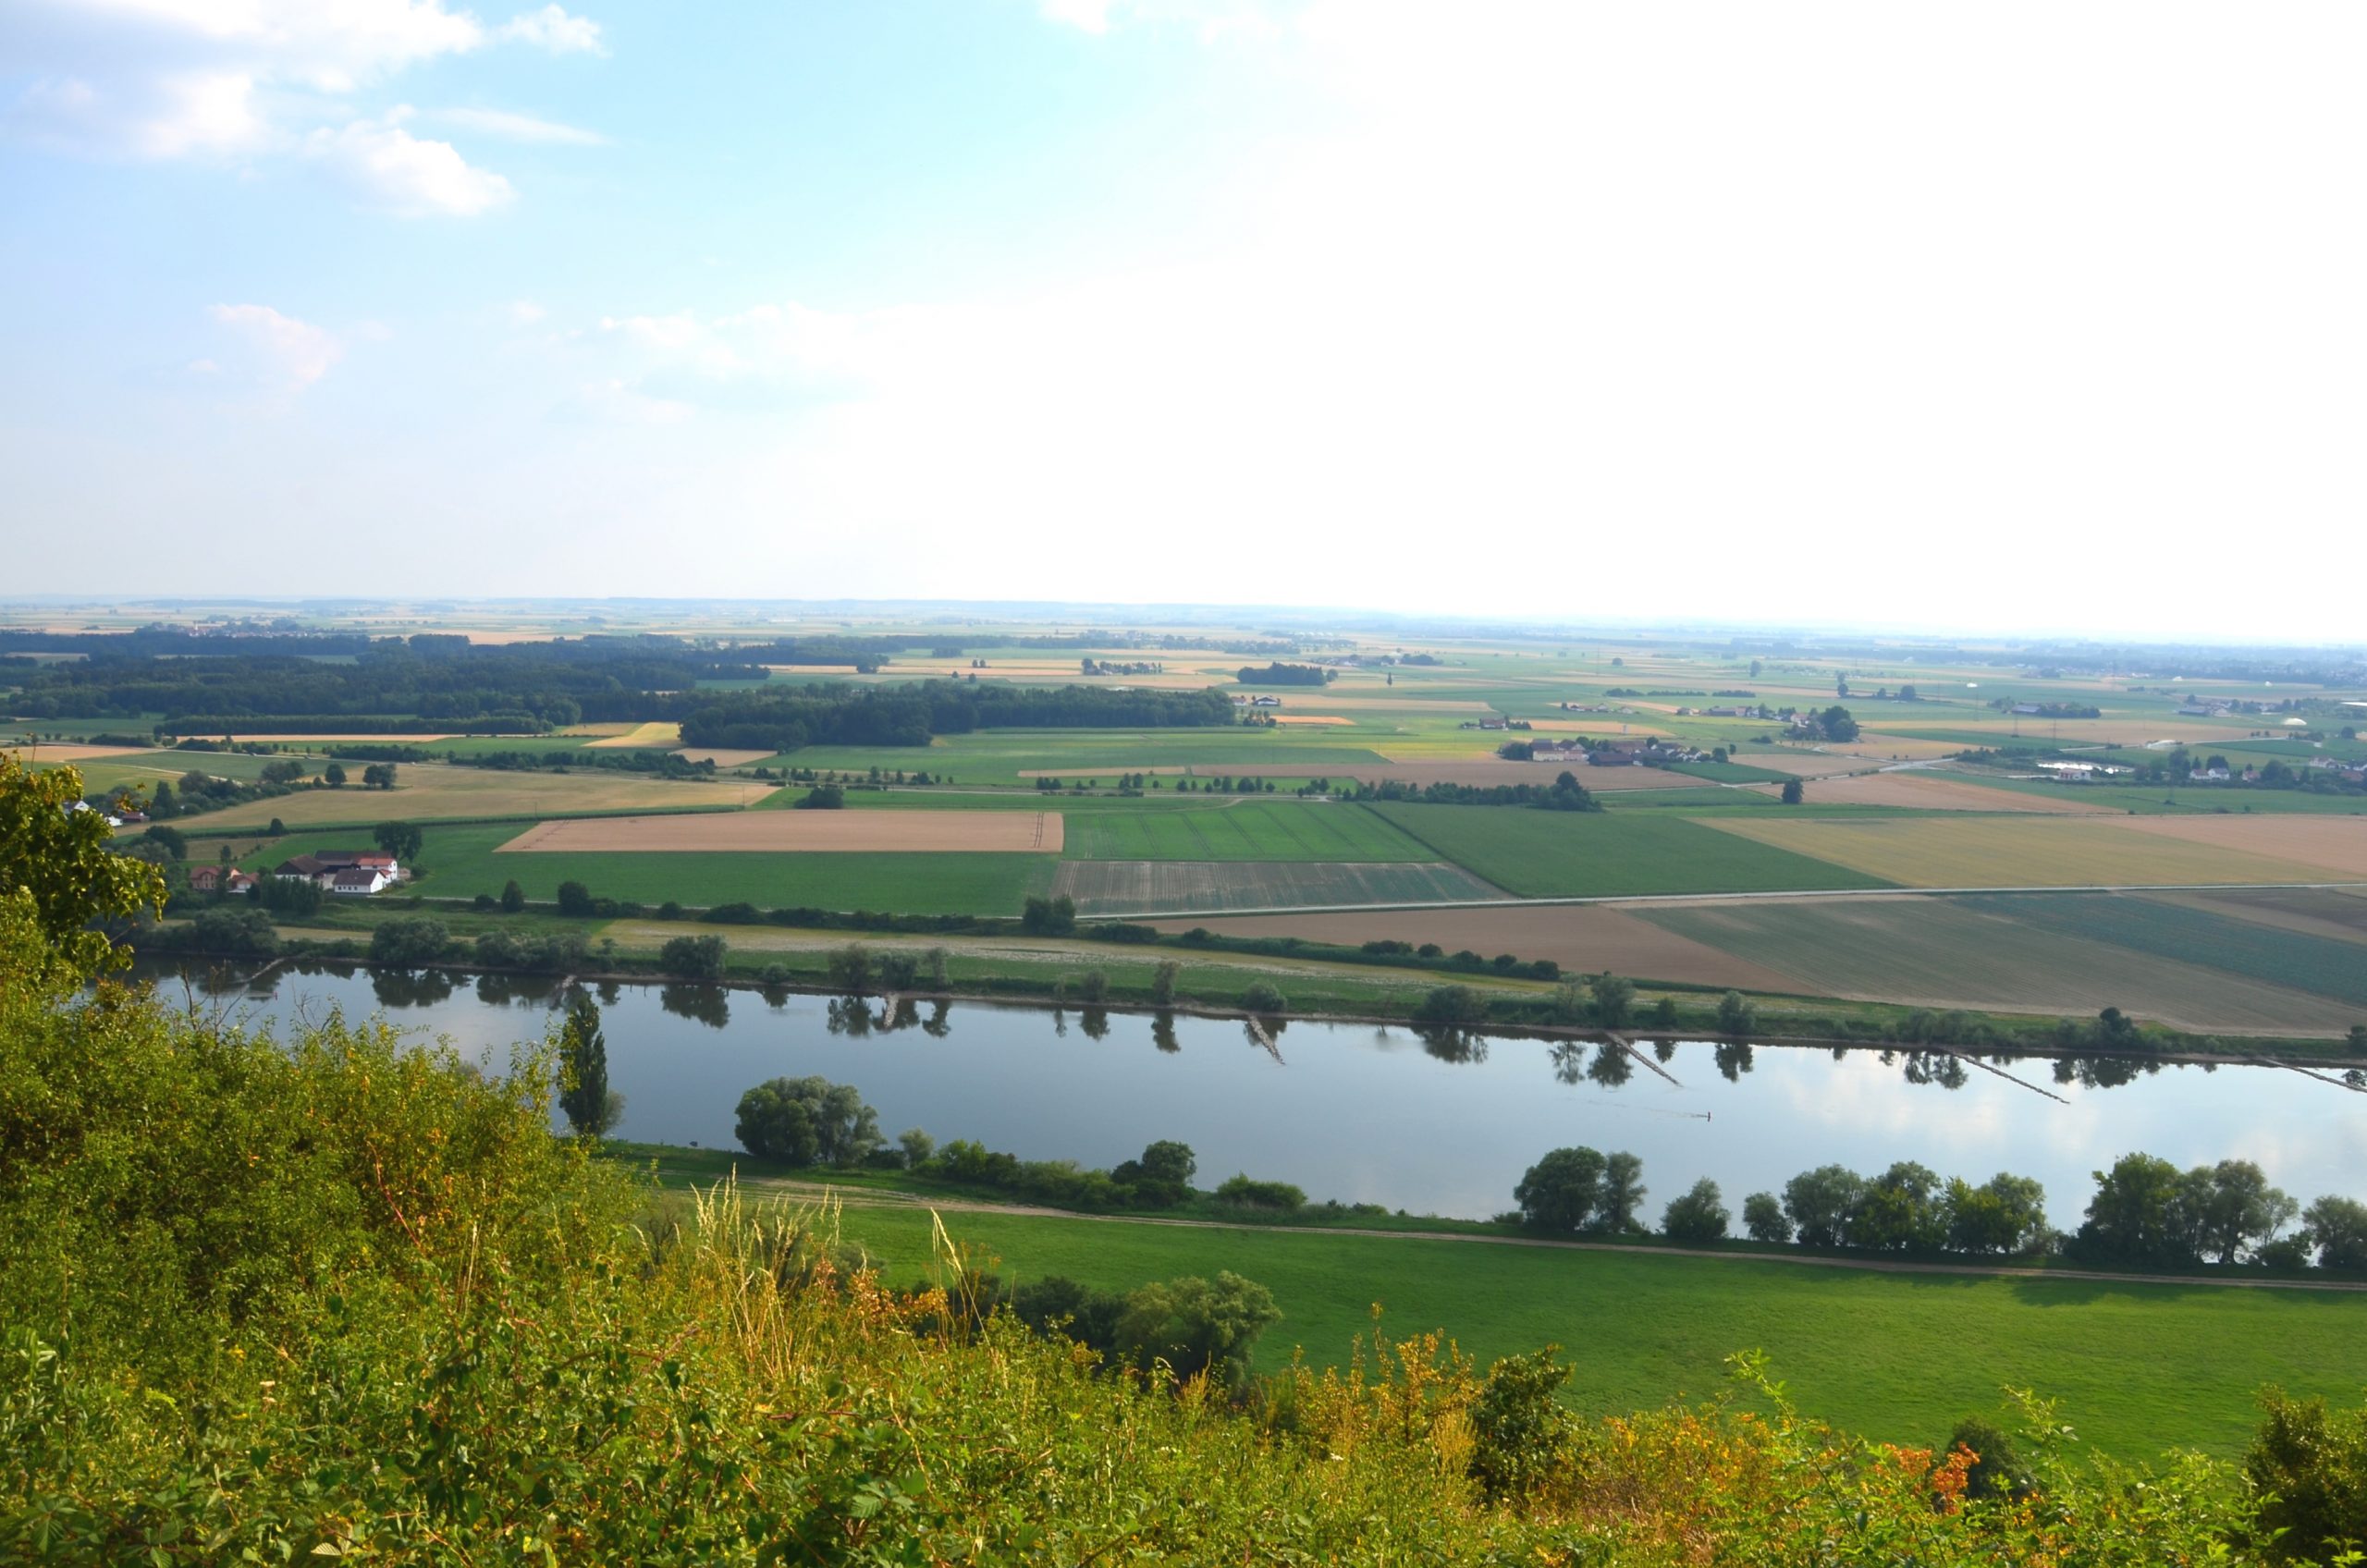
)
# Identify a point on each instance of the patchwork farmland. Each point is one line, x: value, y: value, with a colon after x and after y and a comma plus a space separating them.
x: 1978, y: 852
x: 1141, y: 887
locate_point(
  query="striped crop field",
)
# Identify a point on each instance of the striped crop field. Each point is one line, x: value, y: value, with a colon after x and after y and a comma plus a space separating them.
x: 1141, y: 887
x: 2002, y: 851
x: 1247, y: 830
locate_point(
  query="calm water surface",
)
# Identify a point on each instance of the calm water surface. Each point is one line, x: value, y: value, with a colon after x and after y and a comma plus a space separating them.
x: 1358, y: 1113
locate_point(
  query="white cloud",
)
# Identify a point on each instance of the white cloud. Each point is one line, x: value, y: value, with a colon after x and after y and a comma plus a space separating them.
x: 525, y: 312
x: 244, y: 80
x: 409, y: 176
x: 511, y: 127
x: 1092, y: 15
x: 610, y: 399
x: 288, y: 353
x: 551, y: 27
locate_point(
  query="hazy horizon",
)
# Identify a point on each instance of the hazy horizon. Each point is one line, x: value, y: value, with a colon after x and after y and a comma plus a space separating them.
x: 2022, y: 321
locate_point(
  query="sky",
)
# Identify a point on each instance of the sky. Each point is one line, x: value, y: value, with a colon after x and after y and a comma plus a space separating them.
x: 2018, y: 316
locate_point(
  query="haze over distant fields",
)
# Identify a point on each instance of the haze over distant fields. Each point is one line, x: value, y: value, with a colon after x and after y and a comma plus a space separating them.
x: 2010, y: 318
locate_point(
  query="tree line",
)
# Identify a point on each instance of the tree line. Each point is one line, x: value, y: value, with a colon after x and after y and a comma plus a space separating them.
x: 912, y: 715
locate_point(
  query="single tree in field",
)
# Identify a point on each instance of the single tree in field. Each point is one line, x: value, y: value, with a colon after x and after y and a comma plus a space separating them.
x: 513, y: 897
x: 592, y: 1108
x: 401, y: 839
x: 2238, y: 1210
x: 1793, y: 792
x: 333, y: 776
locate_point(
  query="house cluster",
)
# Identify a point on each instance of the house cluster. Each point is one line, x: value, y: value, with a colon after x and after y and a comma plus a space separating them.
x: 356, y: 873
x: 219, y: 879
x: 2085, y: 769
x: 2204, y: 710
x: 1256, y: 702
x: 1719, y: 713
x: 1556, y: 750
x: 1642, y: 754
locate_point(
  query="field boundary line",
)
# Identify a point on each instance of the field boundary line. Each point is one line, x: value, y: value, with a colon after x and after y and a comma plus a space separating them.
x: 1514, y: 900
x: 858, y: 1197
x: 1443, y: 858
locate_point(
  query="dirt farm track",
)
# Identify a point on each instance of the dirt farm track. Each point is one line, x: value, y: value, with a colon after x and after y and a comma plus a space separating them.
x: 934, y: 832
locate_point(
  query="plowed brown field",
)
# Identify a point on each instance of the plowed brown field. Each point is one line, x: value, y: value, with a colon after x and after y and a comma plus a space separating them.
x: 2336, y: 844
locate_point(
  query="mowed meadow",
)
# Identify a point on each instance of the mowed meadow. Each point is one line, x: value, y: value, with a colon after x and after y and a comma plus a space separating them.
x: 2140, y: 1368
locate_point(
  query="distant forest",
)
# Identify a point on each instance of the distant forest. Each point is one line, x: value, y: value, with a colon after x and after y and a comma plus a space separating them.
x: 207, y: 685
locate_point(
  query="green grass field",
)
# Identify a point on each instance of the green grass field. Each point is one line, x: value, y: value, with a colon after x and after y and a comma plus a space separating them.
x: 462, y: 861
x: 1251, y: 829
x: 1729, y: 772
x: 2325, y: 965
x: 2141, y: 1368
x: 1584, y: 854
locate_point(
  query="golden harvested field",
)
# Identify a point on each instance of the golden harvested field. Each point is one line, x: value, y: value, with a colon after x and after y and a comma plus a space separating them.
x: 1930, y: 792
x: 2013, y: 851
x: 936, y: 832
x: 664, y: 736
x: 1578, y: 937
x: 1401, y: 704
x: 424, y: 791
x: 722, y: 758
x: 1876, y: 746
x: 2335, y: 845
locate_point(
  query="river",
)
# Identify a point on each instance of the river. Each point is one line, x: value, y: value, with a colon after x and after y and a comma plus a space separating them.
x: 1428, y: 1124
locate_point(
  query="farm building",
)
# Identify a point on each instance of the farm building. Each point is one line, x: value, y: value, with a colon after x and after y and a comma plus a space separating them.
x: 322, y: 867
x: 211, y: 879
x: 358, y: 881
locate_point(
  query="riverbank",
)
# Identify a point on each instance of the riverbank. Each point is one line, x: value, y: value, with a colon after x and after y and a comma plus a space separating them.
x: 1214, y: 978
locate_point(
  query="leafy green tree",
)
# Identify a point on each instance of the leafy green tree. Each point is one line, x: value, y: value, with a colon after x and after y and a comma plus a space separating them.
x: 1520, y: 1433
x: 1560, y: 1193
x: 1162, y: 1176
x: 1900, y: 1211
x: 849, y: 969
x: 1997, y: 1472
x: 1735, y: 1015
x: 1794, y: 793
x: 333, y: 776
x: 1048, y: 917
x: 1263, y: 997
x: 1193, y: 1327
x: 57, y: 857
x: 2142, y: 1212
x: 2339, y: 1227
x: 2236, y: 1210
x: 1162, y: 981
x: 1697, y: 1216
x: 1819, y: 1202
x: 2006, y: 1214
x: 1623, y: 1194
x: 407, y: 941
x: 694, y: 958
x: 169, y: 840
x: 401, y: 839
x: 917, y: 1146
x: 378, y: 776
x: 286, y: 771
x: 2310, y: 1465
x: 513, y: 897
x: 1837, y: 724
x: 807, y: 1121
x: 1764, y: 1219
x: 1458, y: 1006
x: 1246, y: 1192
x: 574, y: 899
x: 935, y: 973
x: 1614, y: 998
x: 237, y: 932
x: 591, y: 1106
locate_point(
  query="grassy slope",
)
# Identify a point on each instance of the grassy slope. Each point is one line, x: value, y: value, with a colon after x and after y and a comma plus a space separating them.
x: 2329, y: 967
x: 2140, y: 1366
x: 1576, y: 854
